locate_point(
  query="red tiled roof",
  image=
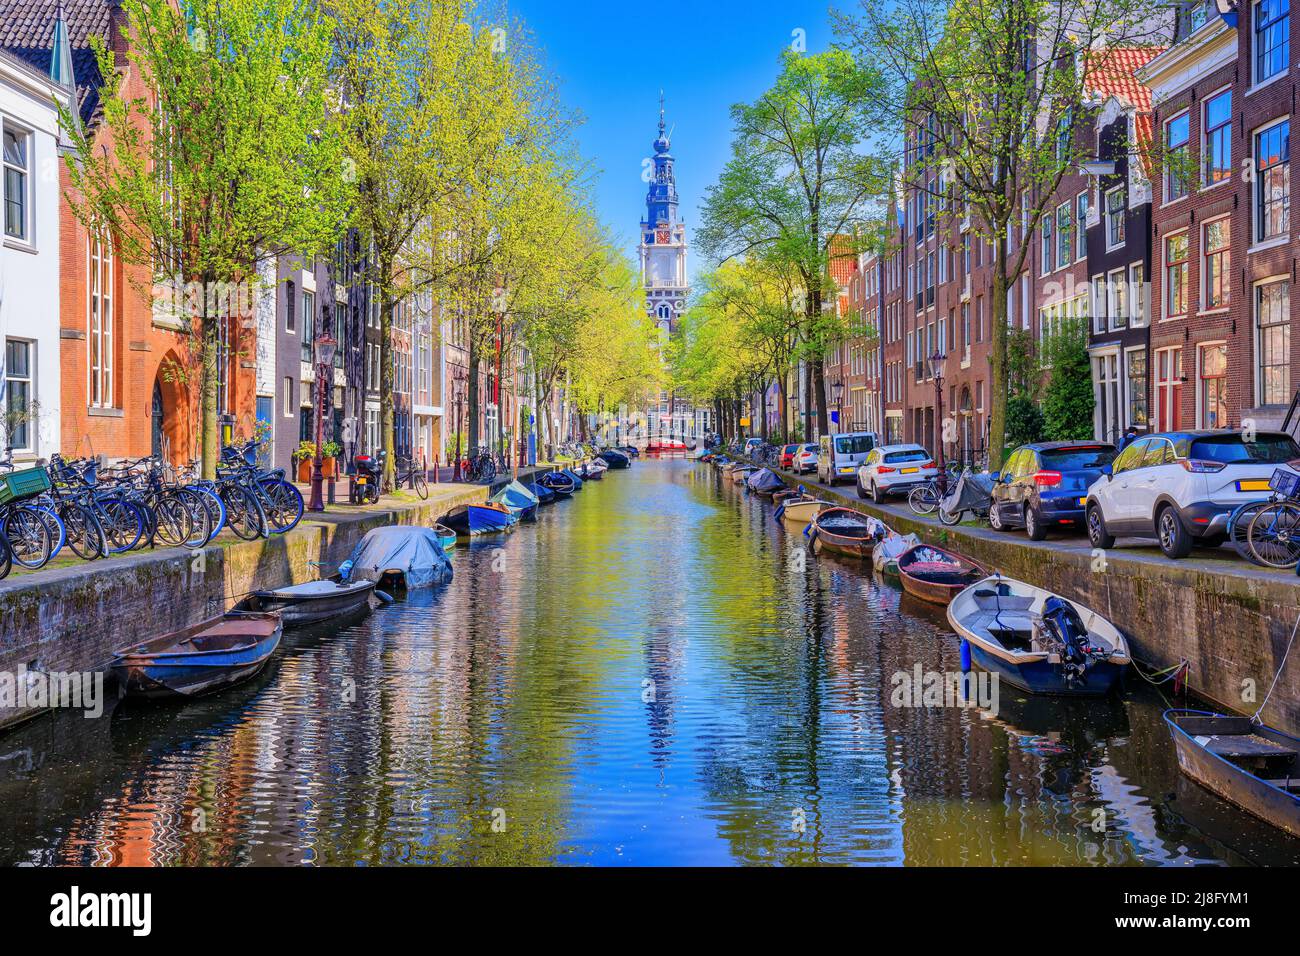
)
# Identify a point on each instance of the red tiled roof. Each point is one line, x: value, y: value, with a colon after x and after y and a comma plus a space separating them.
x: 1113, y: 72
x: 843, y: 259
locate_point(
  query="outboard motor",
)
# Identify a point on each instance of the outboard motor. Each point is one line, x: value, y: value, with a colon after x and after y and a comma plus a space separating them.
x: 1066, y: 628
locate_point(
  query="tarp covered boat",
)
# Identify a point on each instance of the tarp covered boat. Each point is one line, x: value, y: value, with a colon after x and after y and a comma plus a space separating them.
x: 1250, y: 764
x: 544, y: 495
x: 1036, y: 640
x: 200, y: 659
x: 615, y: 458
x: 577, y: 481
x: 410, y: 556
x: 935, y: 575
x: 765, y: 482
x: 521, y: 502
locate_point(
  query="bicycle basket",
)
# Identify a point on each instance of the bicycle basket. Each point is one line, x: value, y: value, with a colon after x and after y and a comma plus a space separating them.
x: 1285, y: 482
x: 23, y: 484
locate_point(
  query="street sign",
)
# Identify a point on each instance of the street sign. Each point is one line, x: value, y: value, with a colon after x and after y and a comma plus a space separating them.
x: 744, y: 423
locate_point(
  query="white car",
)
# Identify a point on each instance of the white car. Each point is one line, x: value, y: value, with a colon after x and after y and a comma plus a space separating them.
x: 805, y: 459
x: 894, y: 470
x: 840, y: 455
x: 1181, y: 487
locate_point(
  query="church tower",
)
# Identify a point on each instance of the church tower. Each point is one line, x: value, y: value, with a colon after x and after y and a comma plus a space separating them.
x: 662, y: 248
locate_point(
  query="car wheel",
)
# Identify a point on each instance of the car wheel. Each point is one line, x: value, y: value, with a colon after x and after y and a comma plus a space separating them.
x: 1175, y: 542
x: 1097, y: 533
x: 1034, y: 526
x: 995, y: 519
x: 876, y: 494
x: 862, y: 492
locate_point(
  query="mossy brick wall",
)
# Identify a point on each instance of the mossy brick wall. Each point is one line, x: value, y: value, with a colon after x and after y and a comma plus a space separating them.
x: 1231, y: 626
x: 76, y: 618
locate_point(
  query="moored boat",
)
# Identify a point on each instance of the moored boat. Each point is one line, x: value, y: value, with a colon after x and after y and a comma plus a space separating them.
x: 740, y: 474
x: 1249, y: 764
x: 801, y: 511
x: 313, y: 601
x: 884, y: 560
x: 615, y: 458
x: 200, y: 659
x: 400, y: 556
x: 764, y: 482
x: 446, y: 537
x: 935, y: 575
x: 544, y: 495
x: 518, y: 499
x: 559, y: 483
x: 577, y: 482
x: 845, y: 531
x: 1036, y: 640
x: 468, y: 520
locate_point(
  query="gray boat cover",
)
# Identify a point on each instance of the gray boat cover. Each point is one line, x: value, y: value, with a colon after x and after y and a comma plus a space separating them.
x: 414, y: 551
x: 764, y: 480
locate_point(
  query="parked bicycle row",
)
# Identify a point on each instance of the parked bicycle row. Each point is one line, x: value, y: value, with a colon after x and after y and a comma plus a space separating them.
x: 1180, y: 489
x: 91, y: 512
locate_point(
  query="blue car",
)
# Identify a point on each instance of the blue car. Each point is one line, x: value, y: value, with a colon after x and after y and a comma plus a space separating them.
x: 1045, y: 485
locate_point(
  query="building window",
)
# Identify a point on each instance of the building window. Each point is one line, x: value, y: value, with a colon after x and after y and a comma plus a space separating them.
x: 287, y: 398
x: 308, y: 325
x: 1176, y: 275
x: 1272, y: 38
x: 100, y: 323
x: 1273, y: 178
x: 1137, y: 300
x: 1118, y: 289
x: 1273, y: 320
x: 1136, y: 372
x: 290, y: 305
x: 1177, y: 131
x: 19, y: 413
x: 1081, y: 226
x: 1047, y: 244
x: 1115, y: 209
x: 1214, y: 386
x: 16, y: 155
x: 1218, y: 138
x: 1169, y: 384
x: 1217, y: 263
x: 1064, y: 243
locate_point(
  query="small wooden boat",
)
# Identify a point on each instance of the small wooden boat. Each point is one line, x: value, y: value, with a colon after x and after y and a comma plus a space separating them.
x: 786, y: 494
x: 577, y: 482
x: 1251, y: 765
x: 518, y: 500
x: 446, y: 537
x: 544, y: 495
x: 200, y: 659
x: 313, y: 601
x: 468, y: 520
x: 845, y: 531
x: 1038, y: 641
x: 935, y: 575
x: 801, y: 511
x: 559, y: 483
x: 741, y: 473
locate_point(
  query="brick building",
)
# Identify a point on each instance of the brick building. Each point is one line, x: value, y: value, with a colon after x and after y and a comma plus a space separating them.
x: 1223, y: 281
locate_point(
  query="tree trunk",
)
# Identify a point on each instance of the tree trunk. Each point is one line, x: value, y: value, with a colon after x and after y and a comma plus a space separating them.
x: 471, y: 397
x: 998, y: 371
x: 210, y: 436
x: 386, y: 410
x: 817, y: 375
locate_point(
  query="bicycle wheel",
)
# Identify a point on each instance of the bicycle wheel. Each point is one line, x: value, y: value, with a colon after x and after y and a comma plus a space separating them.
x: 29, y: 538
x: 175, y: 523
x: 244, y: 514
x: 950, y: 518
x: 200, y: 524
x: 123, y: 523
x: 1239, y: 528
x: 58, y: 533
x: 6, y: 557
x: 421, y: 482
x: 923, y: 499
x: 282, y: 503
x: 1274, y: 535
x: 85, y: 534
x: 215, y: 506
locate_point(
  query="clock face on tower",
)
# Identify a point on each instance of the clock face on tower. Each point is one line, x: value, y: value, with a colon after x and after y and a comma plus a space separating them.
x: 663, y: 236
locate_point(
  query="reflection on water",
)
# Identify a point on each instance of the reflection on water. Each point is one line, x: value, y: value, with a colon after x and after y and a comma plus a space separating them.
x: 655, y: 673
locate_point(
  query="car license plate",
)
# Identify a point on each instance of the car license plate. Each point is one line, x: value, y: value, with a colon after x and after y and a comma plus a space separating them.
x: 1253, y: 484
x: 361, y: 481
x: 910, y: 471
x: 845, y: 471
x: 1082, y: 502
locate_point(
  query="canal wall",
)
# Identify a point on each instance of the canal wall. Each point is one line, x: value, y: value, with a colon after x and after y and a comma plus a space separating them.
x: 1231, y: 622
x: 74, y: 619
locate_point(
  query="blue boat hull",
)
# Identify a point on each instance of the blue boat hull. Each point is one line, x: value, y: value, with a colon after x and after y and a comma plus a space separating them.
x: 1042, y: 677
x: 171, y: 667
x: 469, y: 520
x: 544, y: 495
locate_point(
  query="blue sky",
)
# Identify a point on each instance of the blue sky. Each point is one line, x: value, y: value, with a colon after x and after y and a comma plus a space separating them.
x: 612, y: 57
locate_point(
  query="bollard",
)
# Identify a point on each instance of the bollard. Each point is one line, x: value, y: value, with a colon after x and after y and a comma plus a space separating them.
x: 329, y: 490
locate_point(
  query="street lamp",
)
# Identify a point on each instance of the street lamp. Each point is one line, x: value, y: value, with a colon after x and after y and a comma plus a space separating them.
x: 325, y: 348
x: 837, y: 397
x: 937, y: 363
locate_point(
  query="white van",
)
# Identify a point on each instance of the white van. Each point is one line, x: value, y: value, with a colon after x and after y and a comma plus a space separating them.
x: 842, y: 454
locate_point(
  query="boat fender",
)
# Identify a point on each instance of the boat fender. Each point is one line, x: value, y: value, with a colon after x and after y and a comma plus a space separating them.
x: 965, y: 656
x: 384, y: 596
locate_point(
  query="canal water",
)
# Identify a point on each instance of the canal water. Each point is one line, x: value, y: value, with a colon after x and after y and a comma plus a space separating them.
x: 656, y: 672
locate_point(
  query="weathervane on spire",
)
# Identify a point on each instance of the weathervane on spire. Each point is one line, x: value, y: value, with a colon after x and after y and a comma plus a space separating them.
x: 661, y: 114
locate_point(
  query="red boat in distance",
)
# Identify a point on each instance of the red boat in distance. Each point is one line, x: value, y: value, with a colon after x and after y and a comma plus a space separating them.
x: 662, y: 446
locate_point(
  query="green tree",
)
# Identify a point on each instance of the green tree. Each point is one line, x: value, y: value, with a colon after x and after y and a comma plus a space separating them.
x: 232, y: 159
x: 1068, y: 400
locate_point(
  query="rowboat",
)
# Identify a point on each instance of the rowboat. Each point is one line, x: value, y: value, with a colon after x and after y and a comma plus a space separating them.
x: 467, y: 520
x: 446, y: 537
x: 518, y: 500
x: 200, y: 659
x: 1249, y: 764
x: 845, y: 531
x: 558, y: 482
x: 544, y: 495
x: 577, y: 482
x: 801, y: 511
x: 1036, y: 640
x: 313, y: 601
x: 785, y: 494
x: 741, y: 473
x: 935, y: 575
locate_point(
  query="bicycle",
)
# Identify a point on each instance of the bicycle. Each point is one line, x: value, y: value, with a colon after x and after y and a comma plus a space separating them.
x: 121, y: 522
x: 482, y: 466
x: 1273, y: 532
x: 258, y: 502
x: 924, y: 498
x: 30, y: 544
x: 416, y: 476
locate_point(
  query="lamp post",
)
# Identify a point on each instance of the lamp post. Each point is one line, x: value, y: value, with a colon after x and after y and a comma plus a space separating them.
x: 837, y: 397
x: 325, y: 348
x: 937, y: 362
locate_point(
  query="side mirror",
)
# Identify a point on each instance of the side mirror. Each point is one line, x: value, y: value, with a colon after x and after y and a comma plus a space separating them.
x: 1108, y: 471
x: 996, y: 476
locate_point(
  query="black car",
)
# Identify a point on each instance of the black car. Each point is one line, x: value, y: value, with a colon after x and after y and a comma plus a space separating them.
x: 1046, y: 484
